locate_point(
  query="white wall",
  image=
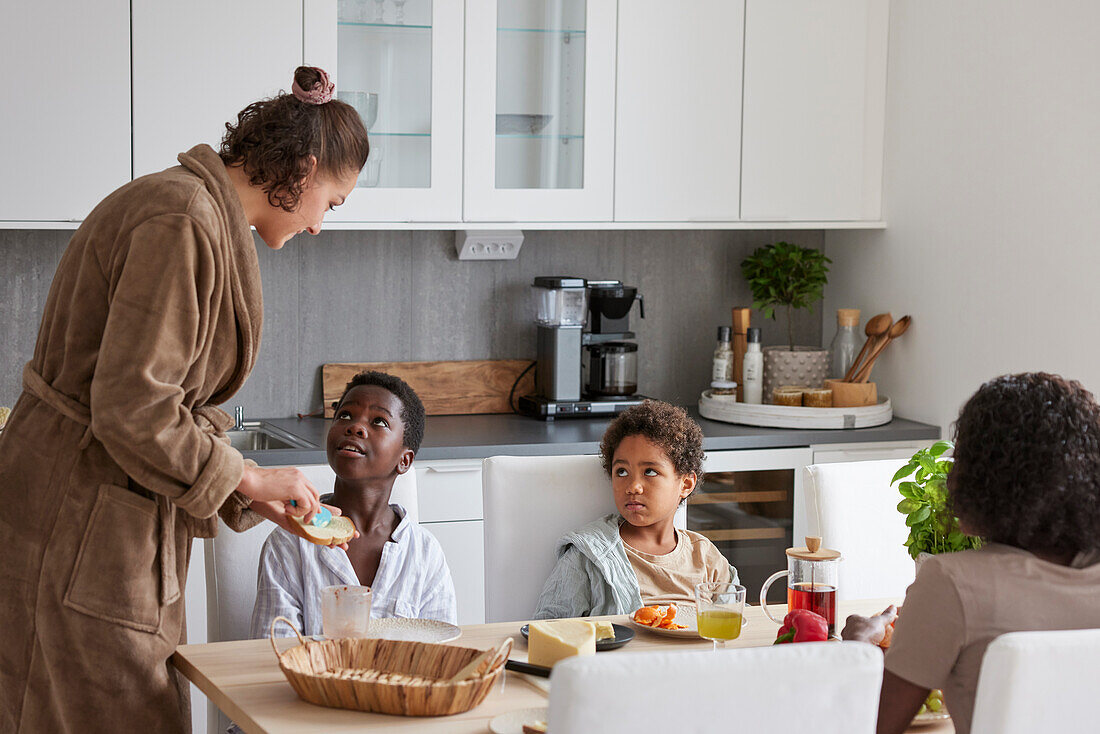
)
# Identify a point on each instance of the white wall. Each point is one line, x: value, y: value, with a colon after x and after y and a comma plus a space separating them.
x: 991, y: 197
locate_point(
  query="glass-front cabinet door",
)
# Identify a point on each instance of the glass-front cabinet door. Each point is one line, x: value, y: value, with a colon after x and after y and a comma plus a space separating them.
x: 539, y: 110
x: 399, y: 63
x: 750, y: 506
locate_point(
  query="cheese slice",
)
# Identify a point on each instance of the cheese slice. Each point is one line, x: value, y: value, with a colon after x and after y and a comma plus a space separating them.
x: 549, y: 641
x: 604, y: 631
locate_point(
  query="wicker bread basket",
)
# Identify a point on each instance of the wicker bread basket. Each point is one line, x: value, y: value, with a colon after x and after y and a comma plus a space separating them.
x: 389, y: 676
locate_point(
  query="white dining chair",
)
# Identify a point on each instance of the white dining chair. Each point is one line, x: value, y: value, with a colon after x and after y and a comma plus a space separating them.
x: 827, y: 688
x: 232, y: 560
x: 529, y: 502
x: 852, y: 506
x: 1038, y: 681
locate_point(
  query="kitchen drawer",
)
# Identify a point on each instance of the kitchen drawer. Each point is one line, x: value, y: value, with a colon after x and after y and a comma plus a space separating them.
x: 866, y: 452
x: 449, y: 490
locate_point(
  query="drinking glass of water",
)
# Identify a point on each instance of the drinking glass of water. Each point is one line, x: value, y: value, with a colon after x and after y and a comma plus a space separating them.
x: 719, y: 609
x: 345, y: 611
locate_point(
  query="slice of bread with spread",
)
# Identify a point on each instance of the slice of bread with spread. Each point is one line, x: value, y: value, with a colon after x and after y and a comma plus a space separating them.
x: 339, y: 530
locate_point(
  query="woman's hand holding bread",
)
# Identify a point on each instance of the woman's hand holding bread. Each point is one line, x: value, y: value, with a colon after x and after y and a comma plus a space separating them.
x: 277, y: 513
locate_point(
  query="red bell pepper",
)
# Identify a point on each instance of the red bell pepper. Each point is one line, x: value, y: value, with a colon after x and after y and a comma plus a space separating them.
x: 802, y: 625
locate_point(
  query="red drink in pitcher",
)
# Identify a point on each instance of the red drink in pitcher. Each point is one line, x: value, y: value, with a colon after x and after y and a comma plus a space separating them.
x: 817, y: 598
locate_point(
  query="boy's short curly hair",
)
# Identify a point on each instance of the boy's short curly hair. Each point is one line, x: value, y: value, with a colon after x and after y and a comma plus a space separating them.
x: 412, y: 409
x: 1027, y: 463
x: 665, y: 425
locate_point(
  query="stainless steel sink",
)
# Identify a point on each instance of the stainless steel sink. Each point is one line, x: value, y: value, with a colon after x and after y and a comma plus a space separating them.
x: 259, y: 436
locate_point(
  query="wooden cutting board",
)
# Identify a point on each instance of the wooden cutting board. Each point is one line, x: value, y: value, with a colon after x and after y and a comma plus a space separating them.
x: 446, y: 388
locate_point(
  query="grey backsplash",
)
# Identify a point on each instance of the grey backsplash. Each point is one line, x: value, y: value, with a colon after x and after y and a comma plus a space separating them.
x: 391, y: 296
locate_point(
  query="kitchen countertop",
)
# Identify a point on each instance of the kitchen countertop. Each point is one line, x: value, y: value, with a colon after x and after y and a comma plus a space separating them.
x: 480, y: 436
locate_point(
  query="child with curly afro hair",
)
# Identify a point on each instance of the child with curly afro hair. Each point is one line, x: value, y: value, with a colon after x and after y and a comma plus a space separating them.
x: 1026, y: 478
x: 653, y: 454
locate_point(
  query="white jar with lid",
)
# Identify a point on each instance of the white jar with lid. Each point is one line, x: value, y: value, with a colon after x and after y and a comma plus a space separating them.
x: 723, y: 389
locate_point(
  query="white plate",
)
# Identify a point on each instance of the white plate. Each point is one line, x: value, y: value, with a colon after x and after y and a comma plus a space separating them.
x: 685, y: 615
x: 413, y: 630
x: 513, y: 721
x: 930, y: 717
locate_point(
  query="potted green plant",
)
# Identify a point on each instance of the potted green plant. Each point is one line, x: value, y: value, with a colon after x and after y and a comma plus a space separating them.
x: 788, y: 276
x: 933, y: 528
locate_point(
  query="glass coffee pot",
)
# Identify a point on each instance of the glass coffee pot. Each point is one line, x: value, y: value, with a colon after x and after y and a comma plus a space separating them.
x: 811, y: 581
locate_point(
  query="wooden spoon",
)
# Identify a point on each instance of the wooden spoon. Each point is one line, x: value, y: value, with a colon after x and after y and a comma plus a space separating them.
x: 895, y: 331
x: 876, y: 327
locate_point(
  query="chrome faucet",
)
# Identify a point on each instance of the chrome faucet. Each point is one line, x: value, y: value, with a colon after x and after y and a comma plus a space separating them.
x: 238, y: 418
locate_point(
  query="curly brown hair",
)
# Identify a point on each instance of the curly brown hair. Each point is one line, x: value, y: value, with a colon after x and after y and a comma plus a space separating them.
x: 1027, y: 464
x: 667, y: 426
x: 275, y: 139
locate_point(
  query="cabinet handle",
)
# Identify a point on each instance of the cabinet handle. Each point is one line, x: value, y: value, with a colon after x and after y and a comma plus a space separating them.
x: 454, y: 469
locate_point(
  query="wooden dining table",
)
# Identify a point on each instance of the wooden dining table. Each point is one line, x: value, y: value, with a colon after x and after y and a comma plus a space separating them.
x: 243, y: 679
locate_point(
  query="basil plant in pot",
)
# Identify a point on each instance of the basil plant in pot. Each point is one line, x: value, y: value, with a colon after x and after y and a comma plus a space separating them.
x: 790, y: 277
x: 933, y: 528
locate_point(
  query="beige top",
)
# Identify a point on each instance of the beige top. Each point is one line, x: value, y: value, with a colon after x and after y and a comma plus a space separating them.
x: 671, y: 578
x: 961, y: 601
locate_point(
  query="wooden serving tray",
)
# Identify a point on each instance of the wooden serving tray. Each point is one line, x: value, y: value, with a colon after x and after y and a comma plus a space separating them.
x: 724, y: 409
x: 446, y: 388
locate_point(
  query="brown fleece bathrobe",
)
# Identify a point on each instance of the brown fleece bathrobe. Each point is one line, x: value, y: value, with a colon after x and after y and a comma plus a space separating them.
x: 112, y: 462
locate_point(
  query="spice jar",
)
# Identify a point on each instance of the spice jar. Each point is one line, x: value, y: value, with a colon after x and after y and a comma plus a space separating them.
x: 787, y: 395
x: 818, y: 398
x: 723, y: 388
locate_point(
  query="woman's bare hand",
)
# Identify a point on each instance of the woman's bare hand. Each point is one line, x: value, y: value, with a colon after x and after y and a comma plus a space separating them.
x: 286, y: 485
x: 274, y: 511
x: 277, y: 513
x: 869, y: 629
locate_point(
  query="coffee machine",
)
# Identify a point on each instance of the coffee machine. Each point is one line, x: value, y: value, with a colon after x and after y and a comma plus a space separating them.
x: 587, y: 362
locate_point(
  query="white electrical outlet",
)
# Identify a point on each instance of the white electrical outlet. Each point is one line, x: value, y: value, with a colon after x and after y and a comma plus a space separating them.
x: 501, y: 244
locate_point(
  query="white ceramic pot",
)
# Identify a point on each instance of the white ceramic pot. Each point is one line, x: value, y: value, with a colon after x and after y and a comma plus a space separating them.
x: 805, y: 367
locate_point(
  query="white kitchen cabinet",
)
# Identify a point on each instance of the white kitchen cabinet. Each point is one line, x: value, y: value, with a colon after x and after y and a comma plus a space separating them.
x: 539, y: 110
x: 66, y: 112
x: 814, y: 109
x: 451, y: 509
x: 401, y: 68
x: 464, y: 546
x: 678, y: 117
x: 198, y: 63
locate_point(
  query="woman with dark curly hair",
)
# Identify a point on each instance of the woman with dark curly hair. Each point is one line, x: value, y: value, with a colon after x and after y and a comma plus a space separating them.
x: 114, y: 457
x: 653, y: 454
x: 1027, y: 479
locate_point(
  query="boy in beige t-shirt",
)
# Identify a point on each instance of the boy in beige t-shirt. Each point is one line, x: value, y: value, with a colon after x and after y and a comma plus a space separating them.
x: 654, y: 454
x: 1027, y: 478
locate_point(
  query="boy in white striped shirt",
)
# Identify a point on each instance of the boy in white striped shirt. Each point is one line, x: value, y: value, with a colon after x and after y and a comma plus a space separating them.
x: 375, y: 433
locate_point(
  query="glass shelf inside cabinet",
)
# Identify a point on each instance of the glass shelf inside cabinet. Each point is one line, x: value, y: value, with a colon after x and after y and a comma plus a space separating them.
x: 389, y: 26
x: 564, y: 31
x: 384, y: 60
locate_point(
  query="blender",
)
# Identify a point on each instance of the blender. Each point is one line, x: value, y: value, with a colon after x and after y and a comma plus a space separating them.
x: 587, y: 365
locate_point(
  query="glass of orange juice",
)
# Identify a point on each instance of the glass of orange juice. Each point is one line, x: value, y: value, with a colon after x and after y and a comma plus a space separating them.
x: 719, y: 609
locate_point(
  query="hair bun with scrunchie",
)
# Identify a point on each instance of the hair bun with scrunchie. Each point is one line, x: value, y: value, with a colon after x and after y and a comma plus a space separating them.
x: 312, y: 85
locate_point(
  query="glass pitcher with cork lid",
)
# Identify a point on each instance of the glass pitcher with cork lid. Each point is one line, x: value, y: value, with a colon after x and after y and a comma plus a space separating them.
x: 811, y: 581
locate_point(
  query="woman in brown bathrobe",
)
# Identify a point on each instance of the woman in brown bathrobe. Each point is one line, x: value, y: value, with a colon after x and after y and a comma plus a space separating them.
x: 114, y: 456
